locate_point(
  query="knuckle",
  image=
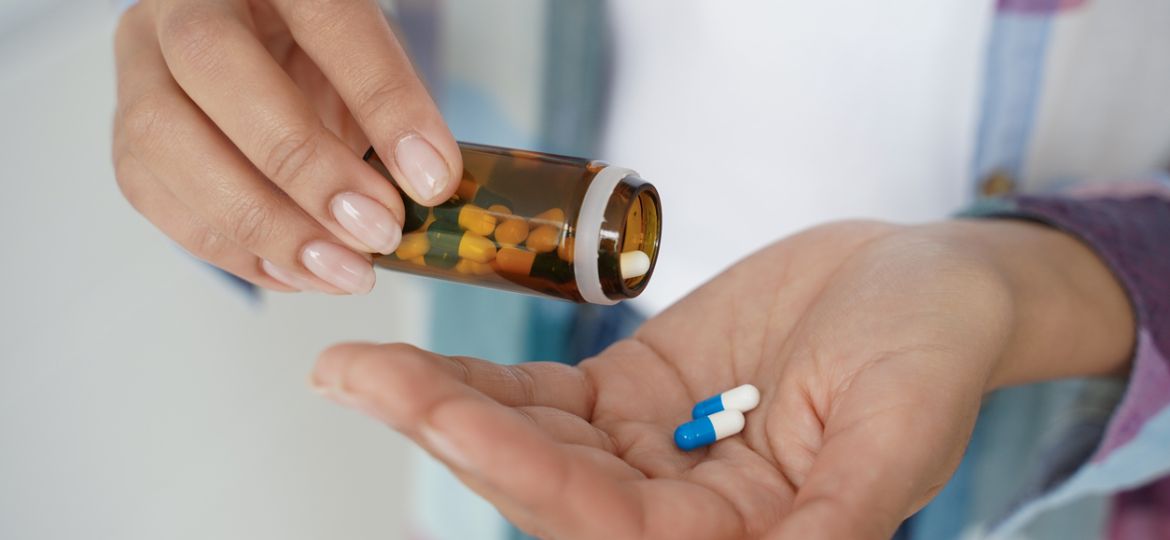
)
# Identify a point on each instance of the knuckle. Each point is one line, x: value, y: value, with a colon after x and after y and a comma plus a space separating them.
x: 250, y: 223
x: 129, y: 181
x: 292, y: 155
x: 143, y: 120
x: 124, y: 32
x: 193, y: 33
x: 205, y: 243
x: 384, y: 95
x: 525, y: 384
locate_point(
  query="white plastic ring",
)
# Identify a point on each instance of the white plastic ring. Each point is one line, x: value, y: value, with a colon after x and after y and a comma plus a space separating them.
x: 586, y: 248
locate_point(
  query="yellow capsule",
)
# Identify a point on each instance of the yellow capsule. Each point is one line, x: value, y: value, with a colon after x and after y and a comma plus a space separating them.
x: 449, y: 244
x: 543, y: 238
x: 552, y: 216
x: 476, y: 248
x: 512, y: 231
x: 468, y: 217
x: 413, y: 245
x: 468, y: 266
x: 477, y: 220
x: 565, y: 249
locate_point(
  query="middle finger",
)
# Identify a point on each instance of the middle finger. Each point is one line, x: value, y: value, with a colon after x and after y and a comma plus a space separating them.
x: 219, y: 62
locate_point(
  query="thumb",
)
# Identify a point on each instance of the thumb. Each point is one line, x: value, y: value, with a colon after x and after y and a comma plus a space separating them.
x: 890, y: 444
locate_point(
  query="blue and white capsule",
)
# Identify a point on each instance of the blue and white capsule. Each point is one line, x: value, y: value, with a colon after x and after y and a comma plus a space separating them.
x: 707, y: 430
x: 741, y: 398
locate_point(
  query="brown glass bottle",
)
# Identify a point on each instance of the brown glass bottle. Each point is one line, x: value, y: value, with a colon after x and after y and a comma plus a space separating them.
x: 535, y: 223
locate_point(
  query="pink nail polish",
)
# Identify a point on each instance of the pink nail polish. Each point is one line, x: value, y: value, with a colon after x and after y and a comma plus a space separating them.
x: 425, y: 170
x: 286, y: 277
x: 338, y: 266
x: 368, y: 221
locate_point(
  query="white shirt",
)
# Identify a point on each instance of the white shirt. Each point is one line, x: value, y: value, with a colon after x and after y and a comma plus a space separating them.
x: 758, y: 120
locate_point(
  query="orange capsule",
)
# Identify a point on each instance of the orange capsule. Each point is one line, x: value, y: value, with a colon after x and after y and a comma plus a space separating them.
x: 565, y: 249
x: 511, y: 232
x: 543, y: 238
x: 514, y: 261
x: 413, y: 245
x: 552, y: 216
x: 468, y: 266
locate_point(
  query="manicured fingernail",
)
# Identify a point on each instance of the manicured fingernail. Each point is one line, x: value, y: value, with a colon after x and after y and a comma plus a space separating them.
x: 368, y: 221
x: 321, y: 389
x: 426, y: 171
x: 338, y: 266
x: 286, y: 277
x: 443, y: 448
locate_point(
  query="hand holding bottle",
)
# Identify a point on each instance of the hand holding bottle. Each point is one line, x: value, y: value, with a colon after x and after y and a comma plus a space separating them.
x: 240, y: 127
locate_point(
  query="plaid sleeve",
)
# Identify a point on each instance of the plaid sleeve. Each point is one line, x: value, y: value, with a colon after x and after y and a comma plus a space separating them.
x: 1128, y: 226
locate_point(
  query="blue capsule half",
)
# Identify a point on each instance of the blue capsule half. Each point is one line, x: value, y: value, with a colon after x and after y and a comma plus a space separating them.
x: 694, y: 434
x: 708, y: 406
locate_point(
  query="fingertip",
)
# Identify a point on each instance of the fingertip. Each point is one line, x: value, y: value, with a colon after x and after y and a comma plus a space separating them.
x: 427, y: 173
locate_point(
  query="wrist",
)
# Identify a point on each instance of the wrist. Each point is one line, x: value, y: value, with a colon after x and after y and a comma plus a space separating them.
x: 1072, y: 317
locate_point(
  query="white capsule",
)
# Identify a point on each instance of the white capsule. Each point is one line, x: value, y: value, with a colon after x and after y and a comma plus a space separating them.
x: 634, y: 264
x: 741, y: 398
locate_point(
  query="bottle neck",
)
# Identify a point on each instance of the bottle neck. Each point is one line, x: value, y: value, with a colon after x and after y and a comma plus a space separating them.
x: 621, y: 213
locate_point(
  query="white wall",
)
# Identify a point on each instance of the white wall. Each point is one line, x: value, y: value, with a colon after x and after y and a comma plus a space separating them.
x: 140, y: 398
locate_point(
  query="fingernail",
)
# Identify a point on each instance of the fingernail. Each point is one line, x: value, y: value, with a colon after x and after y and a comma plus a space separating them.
x: 338, y: 266
x: 443, y: 448
x: 284, y: 276
x: 368, y: 221
x: 426, y: 171
x: 318, y: 387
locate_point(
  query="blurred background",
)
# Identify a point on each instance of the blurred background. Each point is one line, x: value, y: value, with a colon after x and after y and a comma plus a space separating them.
x: 141, y: 395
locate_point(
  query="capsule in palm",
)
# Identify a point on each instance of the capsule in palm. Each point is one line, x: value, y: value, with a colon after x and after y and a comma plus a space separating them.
x: 741, y: 398
x: 708, y: 429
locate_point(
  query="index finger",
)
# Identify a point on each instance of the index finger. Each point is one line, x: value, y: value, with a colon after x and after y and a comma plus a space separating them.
x: 352, y: 44
x: 507, y: 457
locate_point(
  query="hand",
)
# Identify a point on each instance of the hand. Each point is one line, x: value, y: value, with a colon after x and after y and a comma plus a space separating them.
x: 239, y: 127
x: 872, y: 345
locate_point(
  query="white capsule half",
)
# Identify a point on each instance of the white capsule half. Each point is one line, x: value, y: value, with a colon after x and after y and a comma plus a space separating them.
x: 741, y: 398
x: 634, y: 264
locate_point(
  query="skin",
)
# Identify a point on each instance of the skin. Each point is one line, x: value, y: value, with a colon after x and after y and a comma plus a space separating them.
x: 872, y: 345
x: 239, y: 121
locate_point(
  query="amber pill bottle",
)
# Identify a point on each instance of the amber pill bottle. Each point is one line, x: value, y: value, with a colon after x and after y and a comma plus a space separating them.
x: 543, y: 224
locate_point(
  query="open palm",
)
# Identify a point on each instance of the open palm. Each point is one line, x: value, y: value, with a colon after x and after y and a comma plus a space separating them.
x: 871, y: 345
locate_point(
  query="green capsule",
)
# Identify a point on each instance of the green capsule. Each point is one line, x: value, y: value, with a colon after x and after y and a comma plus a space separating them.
x: 469, y: 217
x: 416, y: 214
x: 449, y: 241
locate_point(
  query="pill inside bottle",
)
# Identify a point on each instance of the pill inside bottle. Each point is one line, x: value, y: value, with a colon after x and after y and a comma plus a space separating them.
x: 563, y: 227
